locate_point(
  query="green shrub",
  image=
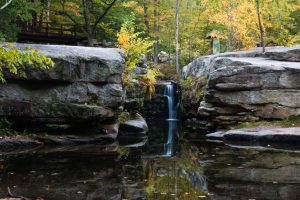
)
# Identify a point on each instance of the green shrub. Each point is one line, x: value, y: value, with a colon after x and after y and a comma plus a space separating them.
x: 293, y: 121
x: 6, y: 127
x: 123, y: 117
x: 193, y: 89
x: 16, y: 61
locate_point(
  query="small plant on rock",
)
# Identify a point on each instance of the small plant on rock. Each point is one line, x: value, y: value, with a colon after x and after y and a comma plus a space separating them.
x: 15, y: 61
x: 6, y: 127
x: 134, y: 46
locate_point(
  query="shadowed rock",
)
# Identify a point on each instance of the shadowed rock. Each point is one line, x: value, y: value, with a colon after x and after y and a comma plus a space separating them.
x: 83, y: 91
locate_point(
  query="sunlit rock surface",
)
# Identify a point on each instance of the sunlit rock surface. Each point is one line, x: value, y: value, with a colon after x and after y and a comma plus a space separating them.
x: 248, y: 86
x: 263, y: 134
x: 84, y: 90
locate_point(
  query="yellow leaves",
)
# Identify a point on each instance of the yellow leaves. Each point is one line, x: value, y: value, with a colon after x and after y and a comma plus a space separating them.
x: 16, y: 61
x: 124, y: 37
x: 133, y: 45
x: 240, y: 18
x: 73, y: 8
x: 130, y: 4
x: 148, y: 81
x: 217, y: 34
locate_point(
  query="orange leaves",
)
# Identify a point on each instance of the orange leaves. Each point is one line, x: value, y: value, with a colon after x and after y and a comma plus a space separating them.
x: 72, y: 8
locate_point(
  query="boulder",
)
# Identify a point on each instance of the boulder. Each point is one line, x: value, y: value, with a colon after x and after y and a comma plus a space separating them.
x: 285, y: 54
x: 83, y: 91
x: 134, y: 99
x: 136, y: 126
x: 263, y: 134
x: 163, y: 57
x: 248, y: 86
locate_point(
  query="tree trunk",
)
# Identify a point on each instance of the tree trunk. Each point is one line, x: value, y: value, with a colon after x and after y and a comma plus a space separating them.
x: 90, y: 38
x: 155, y: 31
x: 170, y: 42
x: 146, y: 21
x: 177, y: 34
x: 261, y: 29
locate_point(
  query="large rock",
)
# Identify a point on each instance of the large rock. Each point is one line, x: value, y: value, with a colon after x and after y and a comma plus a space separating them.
x: 136, y: 126
x: 78, y: 64
x: 204, y: 66
x: 285, y: 54
x: 249, y: 86
x: 134, y: 100
x: 84, y: 90
x: 263, y: 134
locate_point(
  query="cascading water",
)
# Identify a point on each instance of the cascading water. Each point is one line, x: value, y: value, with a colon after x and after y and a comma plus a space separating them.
x: 173, y: 134
x: 170, y: 94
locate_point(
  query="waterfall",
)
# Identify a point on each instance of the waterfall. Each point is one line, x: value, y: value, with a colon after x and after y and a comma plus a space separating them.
x: 170, y: 94
x: 173, y: 134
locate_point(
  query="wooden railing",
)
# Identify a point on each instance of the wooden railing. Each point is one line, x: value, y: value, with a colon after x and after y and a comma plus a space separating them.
x: 47, y: 29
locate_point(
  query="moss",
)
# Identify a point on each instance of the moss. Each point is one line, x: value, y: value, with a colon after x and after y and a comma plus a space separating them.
x: 53, y: 110
x: 6, y: 127
x: 160, y: 89
x: 293, y: 121
x: 92, y: 99
x: 193, y: 89
x: 168, y: 72
x: 123, y: 117
x: 123, y: 151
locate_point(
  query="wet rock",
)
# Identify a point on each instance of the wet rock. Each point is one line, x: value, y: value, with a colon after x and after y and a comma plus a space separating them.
x: 134, y: 100
x: 73, y: 140
x: 260, y: 134
x: 217, y: 135
x: 8, y: 144
x: 136, y: 126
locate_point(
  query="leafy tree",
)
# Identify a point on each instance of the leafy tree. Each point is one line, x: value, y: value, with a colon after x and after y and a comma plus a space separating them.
x: 261, y: 28
x: 18, y: 10
x: 86, y: 14
x: 134, y: 46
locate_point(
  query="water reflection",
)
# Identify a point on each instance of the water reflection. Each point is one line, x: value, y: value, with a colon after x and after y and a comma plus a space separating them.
x: 215, y: 171
x: 173, y: 136
x: 164, y: 168
x: 163, y: 138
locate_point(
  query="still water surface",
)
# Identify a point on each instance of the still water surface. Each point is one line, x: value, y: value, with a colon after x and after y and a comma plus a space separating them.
x: 165, y: 167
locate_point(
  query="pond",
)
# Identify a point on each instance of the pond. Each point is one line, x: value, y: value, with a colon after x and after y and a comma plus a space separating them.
x: 166, y: 166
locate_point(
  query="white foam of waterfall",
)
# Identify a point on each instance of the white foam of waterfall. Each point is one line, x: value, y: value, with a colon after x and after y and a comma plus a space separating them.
x: 172, y: 118
x: 172, y: 108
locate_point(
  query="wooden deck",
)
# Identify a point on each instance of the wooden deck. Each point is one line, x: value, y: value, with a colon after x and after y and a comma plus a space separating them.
x: 48, y: 33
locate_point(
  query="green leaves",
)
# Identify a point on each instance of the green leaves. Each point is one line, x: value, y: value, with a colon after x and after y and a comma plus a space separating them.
x: 15, y: 61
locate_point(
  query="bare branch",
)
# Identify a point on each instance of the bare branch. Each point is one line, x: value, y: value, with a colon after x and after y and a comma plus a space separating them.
x: 6, y: 4
x: 110, y: 5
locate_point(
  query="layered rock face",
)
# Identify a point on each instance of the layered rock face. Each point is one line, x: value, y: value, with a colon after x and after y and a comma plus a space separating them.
x: 83, y: 92
x: 248, y: 86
